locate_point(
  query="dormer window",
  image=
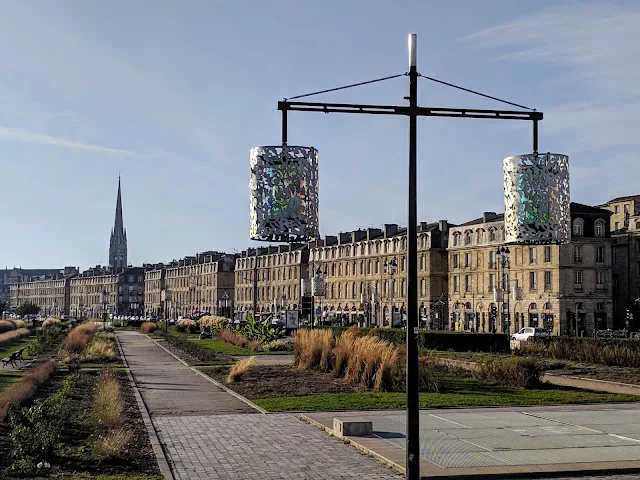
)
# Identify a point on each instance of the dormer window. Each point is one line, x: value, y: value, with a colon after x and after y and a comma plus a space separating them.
x: 599, y: 228
x: 578, y: 227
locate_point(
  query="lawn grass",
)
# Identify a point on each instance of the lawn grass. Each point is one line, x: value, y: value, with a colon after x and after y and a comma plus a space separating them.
x: 9, y: 377
x: 454, y: 392
x: 224, y: 348
x: 14, y: 347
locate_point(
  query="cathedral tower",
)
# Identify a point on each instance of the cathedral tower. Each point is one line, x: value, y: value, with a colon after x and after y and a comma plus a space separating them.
x: 118, y: 243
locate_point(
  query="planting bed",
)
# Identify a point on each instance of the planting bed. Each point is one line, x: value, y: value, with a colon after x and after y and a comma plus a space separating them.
x: 598, y: 372
x: 73, y: 457
x: 280, y: 388
x: 281, y: 381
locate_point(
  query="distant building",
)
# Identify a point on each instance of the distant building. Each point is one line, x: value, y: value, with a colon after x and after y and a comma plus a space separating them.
x: 118, y: 243
x: 14, y: 276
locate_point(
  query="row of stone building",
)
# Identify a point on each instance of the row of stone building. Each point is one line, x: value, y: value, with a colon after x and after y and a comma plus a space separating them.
x: 465, y: 281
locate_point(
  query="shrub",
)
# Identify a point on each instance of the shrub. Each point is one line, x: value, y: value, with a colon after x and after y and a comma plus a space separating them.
x: 439, y: 340
x: 513, y: 371
x: 233, y: 338
x: 239, y: 368
x: 282, y: 345
x: 213, y: 321
x: 604, y: 351
x: 187, y: 326
x: 51, y: 322
x: 254, y: 345
x: 25, y: 387
x: 427, y: 379
x: 46, y: 339
x: 192, y: 348
x: 20, y: 323
x: 148, y: 327
x: 112, y: 442
x: 78, y: 339
x: 7, y: 325
x: 13, y: 336
x: 106, y: 407
x: 310, y: 347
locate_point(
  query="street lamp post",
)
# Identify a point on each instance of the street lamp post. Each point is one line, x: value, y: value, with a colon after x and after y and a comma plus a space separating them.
x: 391, y: 267
x: 503, y: 254
x: 413, y: 111
x: 225, y: 297
x: 105, y: 300
x: 318, y: 272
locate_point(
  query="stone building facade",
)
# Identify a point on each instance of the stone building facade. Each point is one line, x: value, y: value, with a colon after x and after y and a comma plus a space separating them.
x: 358, y: 288
x: 564, y: 288
x: 50, y: 293
x: 124, y: 290
x: 11, y: 276
x: 268, y: 279
x: 625, y: 230
x: 199, y: 283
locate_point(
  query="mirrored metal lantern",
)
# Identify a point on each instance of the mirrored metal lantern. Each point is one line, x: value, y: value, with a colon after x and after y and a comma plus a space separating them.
x: 284, y: 194
x: 317, y: 287
x: 536, y: 199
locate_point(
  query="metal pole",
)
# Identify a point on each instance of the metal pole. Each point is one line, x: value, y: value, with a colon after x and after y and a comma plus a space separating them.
x: 413, y: 412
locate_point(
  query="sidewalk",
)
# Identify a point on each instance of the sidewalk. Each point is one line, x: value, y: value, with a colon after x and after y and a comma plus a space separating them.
x: 209, y: 434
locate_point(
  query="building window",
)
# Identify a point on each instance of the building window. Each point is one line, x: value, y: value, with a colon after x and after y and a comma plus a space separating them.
x: 533, y: 280
x: 456, y: 283
x: 467, y: 260
x: 492, y: 281
x: 492, y: 235
x: 626, y: 208
x: 422, y: 262
x: 579, y: 278
x: 456, y: 260
x: 456, y: 239
x: 600, y: 306
x: 467, y: 283
x: 600, y: 254
x: 577, y: 254
x: 467, y: 238
x: 492, y: 259
x: 533, y: 256
x: 614, y: 253
x: 617, y: 208
x: 423, y: 287
x: 547, y: 254
x: 599, y: 228
x: 599, y: 280
x: 404, y: 288
x: 547, y: 280
x: 617, y: 226
x: 377, y: 266
x: 369, y: 267
x: 578, y: 227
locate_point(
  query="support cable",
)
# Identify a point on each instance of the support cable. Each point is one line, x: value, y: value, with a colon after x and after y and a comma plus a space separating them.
x: 347, y: 86
x: 475, y: 93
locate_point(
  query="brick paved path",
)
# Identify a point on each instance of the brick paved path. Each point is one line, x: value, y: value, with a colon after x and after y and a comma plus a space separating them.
x: 207, y: 433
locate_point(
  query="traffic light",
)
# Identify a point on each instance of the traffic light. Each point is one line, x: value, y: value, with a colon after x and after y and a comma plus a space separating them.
x: 307, y: 305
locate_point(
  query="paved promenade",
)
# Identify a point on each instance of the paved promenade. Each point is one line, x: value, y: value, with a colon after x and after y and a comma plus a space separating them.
x: 209, y: 434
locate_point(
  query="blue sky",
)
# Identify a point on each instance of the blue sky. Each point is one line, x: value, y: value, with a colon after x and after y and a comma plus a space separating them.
x: 174, y: 96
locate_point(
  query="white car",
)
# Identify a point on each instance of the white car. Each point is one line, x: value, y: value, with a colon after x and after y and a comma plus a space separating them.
x: 528, y: 332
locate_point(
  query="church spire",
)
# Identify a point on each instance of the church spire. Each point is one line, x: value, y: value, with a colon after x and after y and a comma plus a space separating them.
x: 118, y: 243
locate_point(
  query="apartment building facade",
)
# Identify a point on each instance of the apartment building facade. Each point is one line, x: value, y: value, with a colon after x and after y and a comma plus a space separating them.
x: 49, y: 292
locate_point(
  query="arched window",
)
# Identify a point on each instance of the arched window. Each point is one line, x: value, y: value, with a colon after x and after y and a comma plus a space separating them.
x: 599, y: 228
x: 467, y: 237
x: 578, y: 227
x: 479, y: 236
x: 492, y: 235
x: 533, y: 306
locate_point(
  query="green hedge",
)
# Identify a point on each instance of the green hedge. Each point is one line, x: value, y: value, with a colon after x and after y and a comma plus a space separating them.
x: 440, y: 340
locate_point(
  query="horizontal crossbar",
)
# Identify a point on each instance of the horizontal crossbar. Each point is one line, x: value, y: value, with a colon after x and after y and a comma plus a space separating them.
x: 405, y: 110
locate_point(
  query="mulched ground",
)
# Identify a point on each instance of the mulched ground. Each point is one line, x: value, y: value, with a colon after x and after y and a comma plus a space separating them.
x: 179, y: 353
x: 75, y: 454
x: 282, y: 381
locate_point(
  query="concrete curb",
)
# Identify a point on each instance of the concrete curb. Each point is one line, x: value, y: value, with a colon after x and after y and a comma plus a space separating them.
x: 216, y: 383
x: 163, y: 463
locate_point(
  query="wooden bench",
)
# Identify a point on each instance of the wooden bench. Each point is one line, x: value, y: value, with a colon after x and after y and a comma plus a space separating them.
x: 20, y: 353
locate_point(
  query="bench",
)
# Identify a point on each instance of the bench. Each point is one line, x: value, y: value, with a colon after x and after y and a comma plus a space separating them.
x: 20, y: 353
x: 10, y: 360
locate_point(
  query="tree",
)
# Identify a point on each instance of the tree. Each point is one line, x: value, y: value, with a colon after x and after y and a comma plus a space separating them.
x: 3, y: 306
x: 28, y: 308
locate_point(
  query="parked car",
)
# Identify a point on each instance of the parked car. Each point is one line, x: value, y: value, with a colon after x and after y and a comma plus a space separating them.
x: 528, y: 332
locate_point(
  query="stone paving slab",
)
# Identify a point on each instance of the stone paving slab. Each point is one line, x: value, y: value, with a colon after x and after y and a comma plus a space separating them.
x: 260, y: 447
x: 170, y: 388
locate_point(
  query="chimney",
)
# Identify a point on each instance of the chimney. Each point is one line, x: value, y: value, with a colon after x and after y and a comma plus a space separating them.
x: 390, y: 229
x: 443, y: 226
x: 344, y: 237
x: 488, y: 216
x: 423, y: 226
x: 373, y: 233
x: 330, y: 240
x: 358, y: 235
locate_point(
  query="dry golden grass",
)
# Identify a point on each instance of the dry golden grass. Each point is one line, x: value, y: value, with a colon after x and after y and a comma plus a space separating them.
x: 77, y: 340
x: 148, y: 327
x: 233, y: 338
x: 239, y: 368
x: 342, y: 351
x: 25, y: 388
x: 13, y: 336
x: 384, y: 375
x: 312, y: 349
x: 50, y: 322
x: 7, y: 325
x: 107, y: 408
x: 112, y: 442
x: 254, y: 345
x: 88, y: 327
x: 20, y: 323
x: 186, y: 325
x: 212, y: 321
x: 99, y: 349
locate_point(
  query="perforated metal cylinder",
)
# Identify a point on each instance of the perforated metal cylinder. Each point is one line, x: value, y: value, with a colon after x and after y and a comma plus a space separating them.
x: 536, y: 199
x: 283, y: 194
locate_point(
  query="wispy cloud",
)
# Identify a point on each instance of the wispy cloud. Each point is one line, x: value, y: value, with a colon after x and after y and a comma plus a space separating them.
x: 23, y: 136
